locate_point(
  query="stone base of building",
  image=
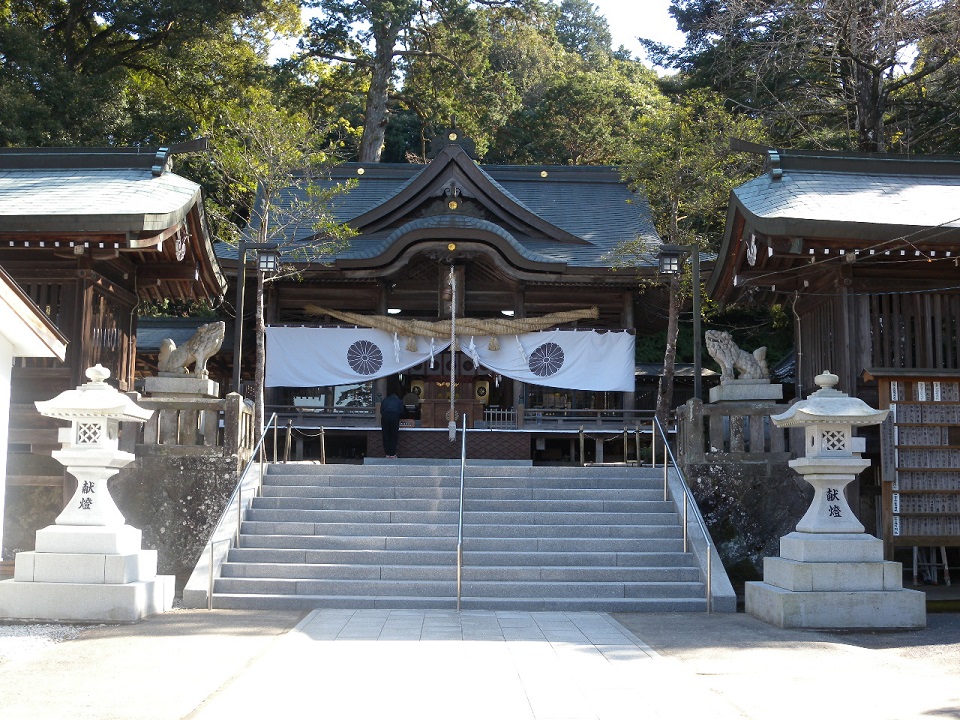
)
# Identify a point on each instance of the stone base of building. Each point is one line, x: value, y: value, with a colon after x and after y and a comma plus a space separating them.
x: 834, y: 581
x: 86, y: 574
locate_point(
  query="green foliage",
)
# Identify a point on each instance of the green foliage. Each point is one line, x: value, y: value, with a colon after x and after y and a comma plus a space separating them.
x: 66, y: 68
x: 177, y: 309
x: 842, y: 74
x: 681, y: 159
x: 261, y: 152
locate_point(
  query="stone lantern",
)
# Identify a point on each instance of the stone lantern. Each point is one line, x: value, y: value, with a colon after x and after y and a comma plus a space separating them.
x: 89, y: 565
x: 90, y: 449
x: 832, y: 454
x: 830, y: 573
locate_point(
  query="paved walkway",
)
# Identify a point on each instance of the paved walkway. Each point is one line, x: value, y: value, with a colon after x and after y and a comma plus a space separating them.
x: 366, y: 664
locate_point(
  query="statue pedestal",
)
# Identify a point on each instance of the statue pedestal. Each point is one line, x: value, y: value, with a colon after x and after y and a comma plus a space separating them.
x: 172, y: 385
x: 741, y: 390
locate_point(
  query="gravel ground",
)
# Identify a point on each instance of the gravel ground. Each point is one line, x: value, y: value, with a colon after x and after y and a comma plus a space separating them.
x: 23, y: 641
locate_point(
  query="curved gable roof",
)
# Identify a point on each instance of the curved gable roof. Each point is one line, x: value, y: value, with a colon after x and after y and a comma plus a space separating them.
x: 454, y: 173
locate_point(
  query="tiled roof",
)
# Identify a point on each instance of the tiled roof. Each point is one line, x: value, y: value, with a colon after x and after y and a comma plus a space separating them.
x: 591, y: 203
x: 114, y: 200
x: 853, y: 194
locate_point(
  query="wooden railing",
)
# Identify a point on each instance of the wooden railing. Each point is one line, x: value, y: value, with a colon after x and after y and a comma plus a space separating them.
x: 548, y: 418
x: 730, y: 431
x: 192, y: 426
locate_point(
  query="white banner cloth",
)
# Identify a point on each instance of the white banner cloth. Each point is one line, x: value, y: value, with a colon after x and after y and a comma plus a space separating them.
x: 569, y: 359
x: 310, y: 357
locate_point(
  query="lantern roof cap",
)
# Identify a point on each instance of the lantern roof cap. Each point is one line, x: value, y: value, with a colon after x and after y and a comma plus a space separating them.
x: 93, y: 400
x: 828, y: 405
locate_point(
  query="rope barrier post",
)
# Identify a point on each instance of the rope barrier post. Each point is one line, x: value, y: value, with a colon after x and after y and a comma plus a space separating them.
x: 626, y: 446
x: 323, y: 447
x: 636, y: 437
x: 583, y: 445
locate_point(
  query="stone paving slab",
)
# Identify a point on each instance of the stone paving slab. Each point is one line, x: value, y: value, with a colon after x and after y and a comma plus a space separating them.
x: 438, y: 664
x: 485, y: 665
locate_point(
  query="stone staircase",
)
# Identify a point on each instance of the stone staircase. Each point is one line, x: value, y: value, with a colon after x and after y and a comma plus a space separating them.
x: 535, y: 538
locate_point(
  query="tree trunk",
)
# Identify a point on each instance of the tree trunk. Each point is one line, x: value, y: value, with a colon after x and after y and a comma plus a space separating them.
x: 375, y: 115
x: 665, y: 390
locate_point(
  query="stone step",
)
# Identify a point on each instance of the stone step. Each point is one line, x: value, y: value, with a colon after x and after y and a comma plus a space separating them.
x: 492, y: 545
x: 452, y: 505
x: 470, y: 588
x: 453, y: 481
x: 408, y: 468
x: 385, y: 535
x: 473, y: 558
x: 448, y: 571
x: 452, y: 492
x: 449, y: 517
x: 252, y: 601
x: 348, y: 542
x: 474, y: 531
x: 348, y: 528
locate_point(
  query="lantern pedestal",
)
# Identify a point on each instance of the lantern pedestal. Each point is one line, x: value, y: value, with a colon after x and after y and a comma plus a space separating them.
x: 833, y: 581
x: 830, y: 573
x: 89, y: 566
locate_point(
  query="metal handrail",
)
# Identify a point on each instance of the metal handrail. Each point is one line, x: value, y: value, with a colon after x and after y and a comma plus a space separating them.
x: 238, y: 494
x: 463, y: 467
x: 669, y: 459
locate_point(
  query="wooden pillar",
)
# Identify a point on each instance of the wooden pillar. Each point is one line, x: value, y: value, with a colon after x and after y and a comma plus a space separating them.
x: 519, y: 388
x: 627, y: 320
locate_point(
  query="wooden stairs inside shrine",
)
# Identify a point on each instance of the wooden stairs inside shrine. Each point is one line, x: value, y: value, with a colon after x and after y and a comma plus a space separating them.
x: 534, y: 538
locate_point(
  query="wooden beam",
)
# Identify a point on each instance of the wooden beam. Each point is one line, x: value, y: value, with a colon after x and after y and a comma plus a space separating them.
x: 167, y: 272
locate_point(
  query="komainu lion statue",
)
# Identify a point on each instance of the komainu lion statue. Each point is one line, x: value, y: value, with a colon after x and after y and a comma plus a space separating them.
x: 203, y: 345
x: 730, y: 357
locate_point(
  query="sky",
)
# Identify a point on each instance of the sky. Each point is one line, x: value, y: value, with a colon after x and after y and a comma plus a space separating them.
x: 629, y: 19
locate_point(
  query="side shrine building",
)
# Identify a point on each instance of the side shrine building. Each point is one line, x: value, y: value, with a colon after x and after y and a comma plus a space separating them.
x: 863, y: 250
x: 88, y: 234
x: 485, y: 290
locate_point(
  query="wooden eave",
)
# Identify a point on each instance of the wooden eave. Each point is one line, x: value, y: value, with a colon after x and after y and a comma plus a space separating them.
x: 454, y: 171
x: 152, y: 257
x: 787, y: 263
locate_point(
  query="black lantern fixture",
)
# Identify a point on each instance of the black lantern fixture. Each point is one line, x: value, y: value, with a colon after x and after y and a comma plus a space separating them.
x: 268, y: 260
x: 671, y: 258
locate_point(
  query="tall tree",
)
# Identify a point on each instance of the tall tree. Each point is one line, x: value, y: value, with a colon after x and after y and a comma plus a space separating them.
x: 65, y: 65
x: 817, y: 63
x: 681, y: 159
x: 581, y: 29
x: 263, y: 152
x: 375, y: 35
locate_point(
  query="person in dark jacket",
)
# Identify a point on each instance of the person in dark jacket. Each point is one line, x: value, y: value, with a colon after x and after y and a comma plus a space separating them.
x: 390, y: 410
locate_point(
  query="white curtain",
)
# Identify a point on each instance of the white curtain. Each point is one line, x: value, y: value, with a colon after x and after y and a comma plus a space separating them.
x: 309, y: 357
x: 570, y: 359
